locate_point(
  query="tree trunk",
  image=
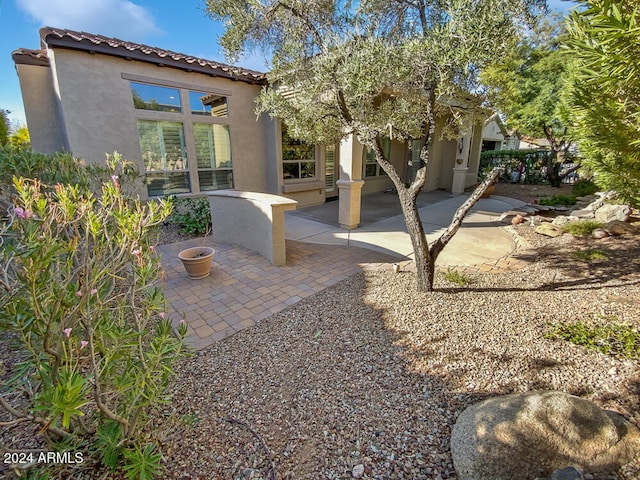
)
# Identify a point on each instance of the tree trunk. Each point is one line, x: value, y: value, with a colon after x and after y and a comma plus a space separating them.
x: 425, y: 267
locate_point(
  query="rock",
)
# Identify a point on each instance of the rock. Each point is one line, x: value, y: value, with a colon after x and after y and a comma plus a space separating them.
x: 518, y: 219
x: 584, y: 213
x: 569, y: 473
x: 537, y: 220
x: 616, y: 227
x: 596, y: 204
x: 529, y: 435
x: 610, y: 212
x: 586, y: 198
x: 560, y: 220
x: 357, y: 471
x: 599, y: 233
x: 509, y: 215
x: 549, y: 229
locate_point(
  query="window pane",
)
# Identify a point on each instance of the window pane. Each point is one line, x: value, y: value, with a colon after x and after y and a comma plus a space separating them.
x: 213, y: 145
x: 215, y: 179
x: 370, y: 170
x: 162, y: 145
x: 290, y: 170
x: 167, y: 183
x: 308, y: 169
x: 153, y: 97
x: 209, y: 104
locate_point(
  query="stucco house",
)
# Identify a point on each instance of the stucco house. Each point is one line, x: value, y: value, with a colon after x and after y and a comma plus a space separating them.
x: 190, y: 125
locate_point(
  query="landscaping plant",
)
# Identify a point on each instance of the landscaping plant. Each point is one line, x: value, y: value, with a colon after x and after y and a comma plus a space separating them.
x: 192, y: 215
x: 612, y: 338
x: 582, y: 228
x: 78, y: 295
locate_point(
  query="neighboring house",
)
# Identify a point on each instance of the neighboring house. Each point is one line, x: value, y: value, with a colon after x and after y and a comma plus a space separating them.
x: 190, y: 125
x: 494, y: 134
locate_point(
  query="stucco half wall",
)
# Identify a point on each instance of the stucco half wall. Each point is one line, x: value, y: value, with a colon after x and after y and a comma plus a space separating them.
x: 252, y: 220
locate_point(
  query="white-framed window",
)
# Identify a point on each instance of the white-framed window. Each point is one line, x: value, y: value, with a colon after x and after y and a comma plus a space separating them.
x: 298, y: 158
x: 184, y: 138
x: 370, y: 165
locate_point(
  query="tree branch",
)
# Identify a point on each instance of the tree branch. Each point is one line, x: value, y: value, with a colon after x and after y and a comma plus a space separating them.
x: 437, y: 246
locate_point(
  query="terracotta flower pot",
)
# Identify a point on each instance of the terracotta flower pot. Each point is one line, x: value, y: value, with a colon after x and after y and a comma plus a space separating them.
x: 197, y: 261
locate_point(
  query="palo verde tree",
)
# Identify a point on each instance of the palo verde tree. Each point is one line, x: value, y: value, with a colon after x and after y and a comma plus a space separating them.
x: 529, y: 85
x: 367, y: 68
x: 605, y: 44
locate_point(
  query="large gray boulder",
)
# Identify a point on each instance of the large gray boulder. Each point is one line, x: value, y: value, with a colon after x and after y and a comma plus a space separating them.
x: 530, y: 435
x: 609, y: 212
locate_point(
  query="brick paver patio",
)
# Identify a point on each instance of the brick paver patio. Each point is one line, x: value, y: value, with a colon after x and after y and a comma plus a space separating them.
x: 244, y: 288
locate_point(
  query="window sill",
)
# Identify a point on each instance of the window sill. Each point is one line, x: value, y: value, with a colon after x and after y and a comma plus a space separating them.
x: 302, y: 186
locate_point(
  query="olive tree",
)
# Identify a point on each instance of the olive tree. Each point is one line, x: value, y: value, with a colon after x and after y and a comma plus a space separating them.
x: 373, y: 69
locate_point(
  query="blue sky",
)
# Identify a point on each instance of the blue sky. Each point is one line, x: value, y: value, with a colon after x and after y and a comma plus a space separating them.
x: 181, y: 26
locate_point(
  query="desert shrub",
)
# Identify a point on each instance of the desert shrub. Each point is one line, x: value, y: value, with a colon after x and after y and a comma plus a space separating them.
x: 590, y: 254
x: 612, y: 338
x: 583, y: 188
x: 558, y: 200
x: 79, y: 295
x: 456, y: 277
x: 192, y: 215
x: 582, y: 228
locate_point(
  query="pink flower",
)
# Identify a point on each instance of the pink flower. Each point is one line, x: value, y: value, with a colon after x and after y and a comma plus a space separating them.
x: 67, y: 332
x: 114, y: 178
x: 152, y: 248
x: 137, y: 251
x: 83, y: 344
x: 79, y: 293
x: 94, y: 291
x: 22, y: 213
x: 162, y: 315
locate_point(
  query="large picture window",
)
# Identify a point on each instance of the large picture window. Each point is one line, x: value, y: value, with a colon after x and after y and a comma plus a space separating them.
x: 175, y: 162
x: 298, y: 158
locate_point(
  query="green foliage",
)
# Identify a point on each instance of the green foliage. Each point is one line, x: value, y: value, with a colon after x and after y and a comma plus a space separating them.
x: 4, y: 128
x: 457, y: 278
x: 20, y: 138
x: 529, y: 86
x: 142, y: 464
x: 510, y: 160
x: 192, y: 215
x: 80, y: 295
x: 612, y: 338
x: 582, y: 188
x: 590, y: 254
x: 558, y: 200
x: 605, y: 96
x: 582, y: 228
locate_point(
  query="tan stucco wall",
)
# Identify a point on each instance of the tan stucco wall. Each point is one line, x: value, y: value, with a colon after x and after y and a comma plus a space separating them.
x: 97, y: 106
x: 41, y: 109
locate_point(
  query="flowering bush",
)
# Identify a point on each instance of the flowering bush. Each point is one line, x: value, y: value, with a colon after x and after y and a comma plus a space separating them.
x: 78, y: 292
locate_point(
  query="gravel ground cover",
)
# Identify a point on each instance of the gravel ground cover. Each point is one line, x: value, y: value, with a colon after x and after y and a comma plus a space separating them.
x: 365, y: 379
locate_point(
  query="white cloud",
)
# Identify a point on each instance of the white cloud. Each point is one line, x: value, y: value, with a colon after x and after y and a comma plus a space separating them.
x: 114, y: 18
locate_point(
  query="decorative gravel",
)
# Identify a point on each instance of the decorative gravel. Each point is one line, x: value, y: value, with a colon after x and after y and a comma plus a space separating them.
x: 366, y: 378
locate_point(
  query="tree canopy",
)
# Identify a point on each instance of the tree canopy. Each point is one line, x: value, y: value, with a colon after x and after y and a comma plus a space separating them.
x: 605, y: 45
x: 372, y: 68
x: 529, y: 86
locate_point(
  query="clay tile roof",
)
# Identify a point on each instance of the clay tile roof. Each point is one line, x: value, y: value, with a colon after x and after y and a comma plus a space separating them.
x: 56, y: 37
x: 24, y: 56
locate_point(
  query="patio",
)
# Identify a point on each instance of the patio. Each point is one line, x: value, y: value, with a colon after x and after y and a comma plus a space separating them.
x: 244, y: 288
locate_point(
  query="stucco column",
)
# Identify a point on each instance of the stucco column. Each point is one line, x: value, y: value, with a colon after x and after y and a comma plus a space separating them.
x: 350, y: 183
x: 462, y: 164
